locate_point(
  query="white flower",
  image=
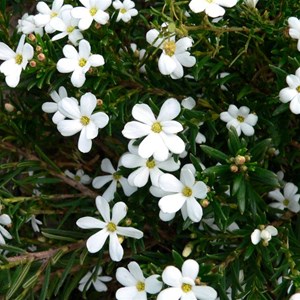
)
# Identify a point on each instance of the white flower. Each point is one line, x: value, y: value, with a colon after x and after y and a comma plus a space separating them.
x: 98, y: 281
x: 182, y: 193
x: 140, y: 54
x: 264, y: 234
x: 27, y: 25
x: 82, y: 120
x: 34, y: 223
x: 251, y: 3
x: 174, y: 54
x: 292, y: 93
x: 160, y: 132
x: 50, y: 107
x: 78, y: 62
x: 109, y: 228
x: 4, y: 220
x: 146, y: 167
x: 294, y: 30
x: 79, y: 176
x: 136, y: 286
x: 46, y: 15
x: 182, y: 284
x: 126, y: 10
x: 188, y: 103
x: 92, y: 10
x: 240, y: 119
x: 295, y: 297
x: 213, y: 8
x: 289, y: 199
x: 66, y: 24
x: 115, y: 177
x: 15, y: 62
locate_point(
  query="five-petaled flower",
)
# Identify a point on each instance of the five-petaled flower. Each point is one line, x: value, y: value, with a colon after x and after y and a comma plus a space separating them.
x: 160, y: 133
x: 182, y: 284
x: 91, y: 10
x: 115, y: 177
x: 136, y: 286
x: 109, y: 228
x: 15, y: 62
x: 174, y: 54
x: 292, y: 92
x: 240, y: 119
x: 212, y: 8
x: 294, y: 30
x: 82, y: 120
x: 126, y: 10
x: 78, y: 62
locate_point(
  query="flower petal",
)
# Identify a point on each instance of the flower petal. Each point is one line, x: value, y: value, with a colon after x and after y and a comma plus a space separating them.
x: 89, y: 223
x: 119, y: 212
x: 134, y: 130
x: 172, y: 277
x: 116, y: 251
x: 171, y: 203
x: 96, y: 241
x: 130, y: 232
x: 255, y: 237
x: 84, y: 144
x: 103, y: 208
x: 143, y: 113
x: 152, y: 284
x: 69, y: 127
x: 190, y: 268
x: 136, y: 271
x: 125, y: 277
x: 205, y: 292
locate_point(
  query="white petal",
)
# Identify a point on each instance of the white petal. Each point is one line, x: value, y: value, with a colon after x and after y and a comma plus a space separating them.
x: 49, y: 107
x: 273, y: 231
x: 84, y: 144
x: 255, y: 237
x: 205, y: 292
x: 125, y: 277
x: 171, y: 203
x: 130, y: 160
x: 88, y: 103
x: 69, y: 127
x: 89, y: 223
x: 170, y: 293
x: 247, y: 129
x: 6, y: 52
x: 119, y: 212
x: 96, y: 60
x: 116, y: 251
x: 173, y: 142
x: 170, y: 183
x: 134, y: 130
x: 127, y: 188
x: 200, y: 190
x: 190, y: 268
x: 101, y: 17
x: 103, y: 208
x: 126, y: 293
x: 194, y: 209
x: 170, y: 127
x: 187, y: 177
x: 12, y: 80
x: 69, y: 108
x: 166, y: 64
x: 100, y: 119
x: 152, y: 284
x: 109, y: 193
x: 5, y: 219
x: 136, y: 271
x: 78, y: 78
x: 143, y: 113
x: 166, y: 217
x: 295, y: 105
x: 139, y: 177
x: 106, y: 166
x: 172, y: 277
x: 290, y: 190
x: 96, y: 241
x: 84, y: 49
x: 130, y: 232
x: 153, y: 39
x: 214, y: 10
x: 100, y: 181
x: 91, y: 130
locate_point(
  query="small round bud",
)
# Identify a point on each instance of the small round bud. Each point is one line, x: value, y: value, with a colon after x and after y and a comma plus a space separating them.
x: 198, y: 281
x: 9, y: 107
x: 265, y: 243
x: 38, y: 48
x: 187, y: 250
x: 32, y: 63
x: 41, y: 57
x: 128, y: 221
x: 239, y: 160
x: 234, y: 168
x: 204, y: 203
x: 248, y: 158
x: 243, y: 168
x: 32, y: 37
x: 97, y: 25
x: 193, y: 235
x: 121, y: 239
x: 99, y: 102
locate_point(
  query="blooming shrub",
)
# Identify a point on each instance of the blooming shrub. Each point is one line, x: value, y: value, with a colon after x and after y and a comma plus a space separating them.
x: 140, y: 147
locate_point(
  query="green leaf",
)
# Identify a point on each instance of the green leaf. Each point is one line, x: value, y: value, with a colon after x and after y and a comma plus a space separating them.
x: 44, y: 290
x: 20, y: 275
x: 259, y: 150
x: 214, y: 153
x: 177, y: 258
x: 234, y: 143
x: 241, y: 195
x: 196, y: 163
x: 236, y: 183
x: 265, y: 177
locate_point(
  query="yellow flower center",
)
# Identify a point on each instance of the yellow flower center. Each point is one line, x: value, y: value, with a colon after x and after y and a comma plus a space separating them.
x: 19, y: 59
x: 111, y: 226
x: 186, y: 287
x: 169, y: 47
x: 241, y: 119
x: 123, y: 10
x: 210, y: 1
x: 298, y: 88
x: 150, y: 163
x: 187, y: 192
x: 156, y: 127
x: 70, y: 29
x: 84, y: 120
x: 117, y: 176
x: 82, y: 62
x: 53, y: 14
x: 140, y: 286
x: 93, y: 11
x: 286, y: 202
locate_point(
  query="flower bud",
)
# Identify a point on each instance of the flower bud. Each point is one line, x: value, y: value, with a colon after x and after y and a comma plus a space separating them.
x: 41, y: 57
x: 128, y: 221
x: 204, y: 203
x: 187, y: 250
x: 38, y: 48
x: 9, y: 107
x: 234, y: 169
x: 99, y: 102
x: 243, y: 168
x: 239, y: 160
x: 32, y: 37
x: 32, y: 63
